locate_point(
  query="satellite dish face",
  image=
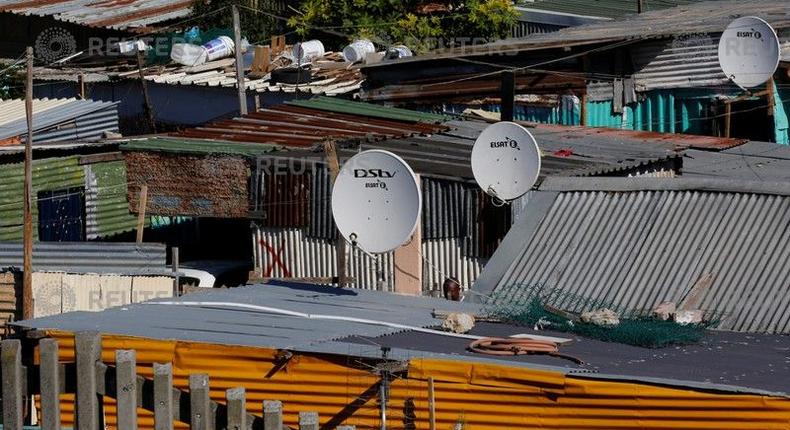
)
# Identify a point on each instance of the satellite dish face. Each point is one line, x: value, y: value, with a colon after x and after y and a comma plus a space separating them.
x: 376, y: 201
x: 506, y: 160
x: 749, y: 51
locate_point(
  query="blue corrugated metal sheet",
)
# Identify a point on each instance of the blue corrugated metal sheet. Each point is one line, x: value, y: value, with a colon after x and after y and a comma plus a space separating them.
x: 636, y: 243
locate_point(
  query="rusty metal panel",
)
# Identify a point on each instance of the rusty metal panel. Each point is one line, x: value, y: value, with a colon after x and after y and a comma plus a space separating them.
x: 190, y: 185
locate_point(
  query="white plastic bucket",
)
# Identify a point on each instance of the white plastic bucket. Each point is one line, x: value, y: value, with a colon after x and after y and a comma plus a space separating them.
x: 220, y: 47
x: 358, y: 50
x: 307, y: 51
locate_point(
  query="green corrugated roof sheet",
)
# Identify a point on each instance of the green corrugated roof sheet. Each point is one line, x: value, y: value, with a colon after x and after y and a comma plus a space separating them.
x: 110, y: 207
x: 603, y: 8
x: 195, y: 146
x: 333, y: 104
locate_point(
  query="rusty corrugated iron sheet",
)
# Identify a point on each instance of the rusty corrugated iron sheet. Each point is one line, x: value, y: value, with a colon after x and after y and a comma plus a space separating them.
x: 305, y: 127
x: 343, y: 390
x: 593, y: 135
x: 119, y: 15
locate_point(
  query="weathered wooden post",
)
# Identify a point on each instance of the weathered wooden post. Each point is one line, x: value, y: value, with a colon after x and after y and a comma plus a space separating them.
x: 163, y: 396
x: 126, y: 389
x: 50, y: 384
x: 13, y: 399
x: 88, y: 346
x: 308, y: 420
x: 200, y: 403
x: 272, y: 415
x: 237, y: 409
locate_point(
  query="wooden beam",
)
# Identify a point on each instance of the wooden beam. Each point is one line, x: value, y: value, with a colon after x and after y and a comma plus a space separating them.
x: 330, y: 152
x: 149, y: 111
x: 27, y: 231
x: 141, y: 205
x: 431, y: 405
x: 239, y: 61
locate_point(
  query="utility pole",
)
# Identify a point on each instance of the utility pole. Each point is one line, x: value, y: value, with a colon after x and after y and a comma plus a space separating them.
x: 27, y: 263
x: 330, y: 152
x: 149, y: 111
x: 508, y: 95
x: 239, y: 62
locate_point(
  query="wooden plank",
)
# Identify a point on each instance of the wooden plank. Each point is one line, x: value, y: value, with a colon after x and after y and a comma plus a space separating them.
x: 99, y: 158
x: 13, y: 397
x: 88, y: 348
x: 141, y: 207
x: 49, y: 374
x: 308, y: 420
x: 272, y: 415
x: 199, y: 402
x: 237, y: 409
x: 126, y: 388
x: 163, y: 396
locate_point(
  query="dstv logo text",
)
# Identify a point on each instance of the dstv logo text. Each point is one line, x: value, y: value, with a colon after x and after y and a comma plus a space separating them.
x: 507, y: 143
x: 373, y: 173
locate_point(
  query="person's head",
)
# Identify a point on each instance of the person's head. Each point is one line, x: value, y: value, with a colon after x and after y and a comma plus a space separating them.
x: 451, y: 289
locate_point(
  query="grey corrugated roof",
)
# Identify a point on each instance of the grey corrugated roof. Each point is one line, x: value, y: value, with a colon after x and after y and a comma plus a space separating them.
x: 753, y: 161
x: 90, y: 119
x: 89, y: 257
x: 692, y: 19
x: 567, y: 151
x: 222, y: 324
x: 638, y: 242
x: 217, y: 323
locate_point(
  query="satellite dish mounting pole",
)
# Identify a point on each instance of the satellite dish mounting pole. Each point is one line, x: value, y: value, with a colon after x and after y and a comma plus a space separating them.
x: 508, y: 95
x: 330, y: 152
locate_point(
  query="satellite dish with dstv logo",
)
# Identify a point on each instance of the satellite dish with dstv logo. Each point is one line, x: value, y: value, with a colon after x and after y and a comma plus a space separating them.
x: 376, y: 201
x: 505, y: 160
x: 749, y: 51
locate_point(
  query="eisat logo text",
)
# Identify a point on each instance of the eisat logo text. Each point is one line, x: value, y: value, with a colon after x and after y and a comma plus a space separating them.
x: 373, y: 173
x: 507, y: 143
x: 753, y: 33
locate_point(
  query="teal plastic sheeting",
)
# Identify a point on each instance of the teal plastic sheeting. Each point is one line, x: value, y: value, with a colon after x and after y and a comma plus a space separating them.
x: 781, y: 123
x: 665, y: 111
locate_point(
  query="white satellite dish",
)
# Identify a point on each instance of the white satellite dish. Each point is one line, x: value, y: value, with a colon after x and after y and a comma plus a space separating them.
x: 749, y: 51
x: 506, y: 160
x: 376, y: 201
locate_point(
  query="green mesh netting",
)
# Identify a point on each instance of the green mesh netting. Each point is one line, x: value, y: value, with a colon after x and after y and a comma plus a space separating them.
x: 558, y: 310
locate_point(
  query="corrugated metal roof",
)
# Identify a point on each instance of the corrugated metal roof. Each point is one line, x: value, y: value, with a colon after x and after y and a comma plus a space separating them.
x: 602, y: 8
x: 337, y: 105
x: 265, y: 329
x: 306, y: 126
x: 752, y: 161
x: 89, y: 257
x: 638, y: 242
x: 692, y: 19
x: 110, y: 14
x: 197, y: 146
x: 57, y: 120
x: 208, y: 327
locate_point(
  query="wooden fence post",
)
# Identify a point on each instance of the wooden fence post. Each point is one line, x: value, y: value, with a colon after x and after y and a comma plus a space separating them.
x: 237, y: 409
x: 13, y: 399
x: 88, y: 346
x: 308, y: 420
x: 50, y: 384
x: 200, y: 403
x: 126, y: 388
x: 272, y: 415
x: 163, y: 396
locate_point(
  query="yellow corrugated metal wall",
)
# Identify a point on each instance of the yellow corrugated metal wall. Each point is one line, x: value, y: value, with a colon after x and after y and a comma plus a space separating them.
x: 483, y: 396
